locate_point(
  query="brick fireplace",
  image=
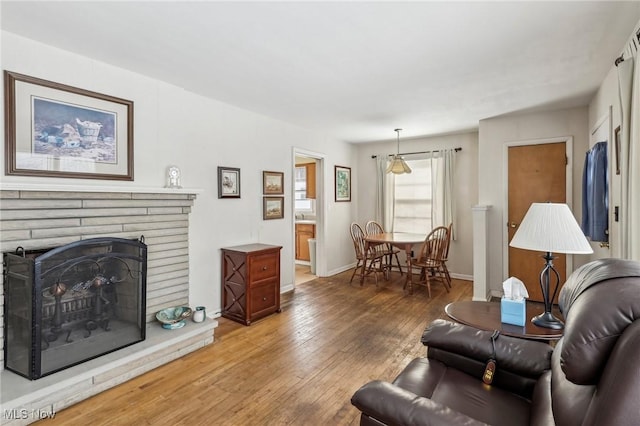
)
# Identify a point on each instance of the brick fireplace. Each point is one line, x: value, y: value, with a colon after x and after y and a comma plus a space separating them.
x: 40, y: 218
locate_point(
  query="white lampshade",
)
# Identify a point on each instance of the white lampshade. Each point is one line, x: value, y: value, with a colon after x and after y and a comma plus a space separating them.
x: 398, y: 166
x: 551, y: 227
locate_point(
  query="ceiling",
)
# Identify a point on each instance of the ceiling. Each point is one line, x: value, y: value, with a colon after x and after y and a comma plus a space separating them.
x: 351, y: 70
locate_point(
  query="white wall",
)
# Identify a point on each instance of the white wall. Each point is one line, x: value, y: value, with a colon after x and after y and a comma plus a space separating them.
x: 494, y: 134
x: 461, y: 253
x: 173, y: 126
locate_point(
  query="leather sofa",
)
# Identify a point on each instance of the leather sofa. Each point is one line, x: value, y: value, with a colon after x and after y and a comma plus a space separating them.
x: 590, y: 377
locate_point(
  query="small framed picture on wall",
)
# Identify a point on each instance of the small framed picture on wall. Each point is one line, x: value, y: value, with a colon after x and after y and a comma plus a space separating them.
x: 228, y: 182
x: 272, y: 208
x: 272, y: 183
x: 343, y: 183
x: 617, y: 148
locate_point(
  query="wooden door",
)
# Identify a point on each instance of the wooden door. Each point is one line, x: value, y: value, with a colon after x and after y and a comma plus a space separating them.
x: 537, y: 174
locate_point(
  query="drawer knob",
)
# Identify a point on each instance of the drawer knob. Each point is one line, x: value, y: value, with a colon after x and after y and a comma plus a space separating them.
x: 264, y: 268
x: 264, y: 299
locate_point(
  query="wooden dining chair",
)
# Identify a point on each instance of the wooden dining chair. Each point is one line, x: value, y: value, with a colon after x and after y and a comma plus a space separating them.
x: 371, y: 260
x: 389, y: 251
x: 446, y: 253
x: 432, y: 258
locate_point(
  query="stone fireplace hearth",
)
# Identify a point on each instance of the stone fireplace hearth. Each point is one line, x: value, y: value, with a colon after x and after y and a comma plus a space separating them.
x: 37, y: 218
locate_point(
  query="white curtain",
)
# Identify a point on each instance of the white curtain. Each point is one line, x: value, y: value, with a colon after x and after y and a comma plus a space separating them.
x: 629, y: 94
x: 443, y: 210
x: 385, y: 194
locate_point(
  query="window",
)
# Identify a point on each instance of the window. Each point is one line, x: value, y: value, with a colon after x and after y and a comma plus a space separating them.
x: 413, y: 199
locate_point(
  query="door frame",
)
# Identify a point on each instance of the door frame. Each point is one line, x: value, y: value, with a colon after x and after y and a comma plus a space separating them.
x: 321, y: 213
x: 568, y: 140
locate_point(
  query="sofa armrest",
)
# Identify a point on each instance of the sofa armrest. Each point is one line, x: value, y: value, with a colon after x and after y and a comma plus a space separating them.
x: 392, y: 405
x: 519, y: 356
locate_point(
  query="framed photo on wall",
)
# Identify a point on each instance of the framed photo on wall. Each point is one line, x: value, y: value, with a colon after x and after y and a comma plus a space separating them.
x: 272, y: 183
x: 617, y: 148
x: 57, y: 130
x: 343, y: 183
x: 272, y: 208
x: 228, y: 182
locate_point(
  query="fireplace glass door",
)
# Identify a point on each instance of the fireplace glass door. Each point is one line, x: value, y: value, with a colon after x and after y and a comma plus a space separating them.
x: 73, y: 303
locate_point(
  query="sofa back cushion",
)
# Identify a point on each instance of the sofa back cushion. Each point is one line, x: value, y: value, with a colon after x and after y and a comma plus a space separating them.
x: 616, y: 401
x: 594, y: 322
x: 570, y: 401
x: 601, y: 305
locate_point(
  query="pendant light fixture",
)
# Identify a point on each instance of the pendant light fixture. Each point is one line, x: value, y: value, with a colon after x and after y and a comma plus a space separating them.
x: 398, y: 166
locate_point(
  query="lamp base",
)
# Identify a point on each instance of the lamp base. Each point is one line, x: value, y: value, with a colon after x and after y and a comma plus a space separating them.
x: 547, y: 320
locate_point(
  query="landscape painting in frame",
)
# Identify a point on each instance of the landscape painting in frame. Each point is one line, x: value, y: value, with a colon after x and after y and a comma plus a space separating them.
x: 272, y: 208
x: 343, y: 183
x: 64, y: 131
x: 272, y: 182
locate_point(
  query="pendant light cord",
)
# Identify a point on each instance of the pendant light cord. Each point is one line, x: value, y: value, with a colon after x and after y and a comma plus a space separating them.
x: 398, y: 150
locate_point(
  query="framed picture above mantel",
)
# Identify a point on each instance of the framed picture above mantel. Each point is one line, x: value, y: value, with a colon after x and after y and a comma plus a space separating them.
x: 56, y: 130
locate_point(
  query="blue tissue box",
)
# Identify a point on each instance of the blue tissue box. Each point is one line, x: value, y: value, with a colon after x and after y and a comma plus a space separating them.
x: 513, y: 311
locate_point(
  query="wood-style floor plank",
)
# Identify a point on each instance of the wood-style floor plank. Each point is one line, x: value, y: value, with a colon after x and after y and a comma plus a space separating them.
x: 299, y: 367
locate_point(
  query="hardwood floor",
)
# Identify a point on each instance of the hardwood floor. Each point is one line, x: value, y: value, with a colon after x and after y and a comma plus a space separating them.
x: 299, y: 367
x: 303, y: 274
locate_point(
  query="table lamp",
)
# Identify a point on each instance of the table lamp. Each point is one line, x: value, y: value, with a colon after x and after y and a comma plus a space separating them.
x: 550, y: 228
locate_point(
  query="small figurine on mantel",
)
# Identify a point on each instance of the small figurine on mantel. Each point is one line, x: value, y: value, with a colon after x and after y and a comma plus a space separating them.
x: 173, y: 177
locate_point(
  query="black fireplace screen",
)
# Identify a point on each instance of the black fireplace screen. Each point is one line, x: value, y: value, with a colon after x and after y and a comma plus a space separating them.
x: 73, y: 303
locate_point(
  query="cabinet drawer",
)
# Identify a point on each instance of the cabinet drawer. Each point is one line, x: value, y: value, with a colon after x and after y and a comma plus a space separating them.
x: 263, y: 300
x: 306, y: 227
x: 264, y: 266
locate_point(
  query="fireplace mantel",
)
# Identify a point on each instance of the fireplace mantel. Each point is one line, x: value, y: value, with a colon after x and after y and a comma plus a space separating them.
x: 95, y: 188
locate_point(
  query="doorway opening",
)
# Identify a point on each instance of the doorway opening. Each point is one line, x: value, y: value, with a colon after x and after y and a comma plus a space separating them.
x: 307, y: 214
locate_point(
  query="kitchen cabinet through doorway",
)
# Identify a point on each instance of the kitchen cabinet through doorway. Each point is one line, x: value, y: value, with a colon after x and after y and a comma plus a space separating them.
x: 304, y: 232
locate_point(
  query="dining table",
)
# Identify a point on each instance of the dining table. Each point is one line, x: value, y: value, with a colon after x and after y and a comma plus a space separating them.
x: 404, y: 241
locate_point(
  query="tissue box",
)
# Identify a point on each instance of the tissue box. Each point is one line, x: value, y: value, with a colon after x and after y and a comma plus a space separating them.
x: 513, y: 311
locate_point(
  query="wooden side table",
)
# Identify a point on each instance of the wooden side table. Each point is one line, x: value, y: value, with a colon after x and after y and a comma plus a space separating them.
x: 486, y: 316
x: 250, y: 282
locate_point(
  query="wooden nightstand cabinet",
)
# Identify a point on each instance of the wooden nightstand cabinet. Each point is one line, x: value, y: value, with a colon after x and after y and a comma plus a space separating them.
x: 250, y: 282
